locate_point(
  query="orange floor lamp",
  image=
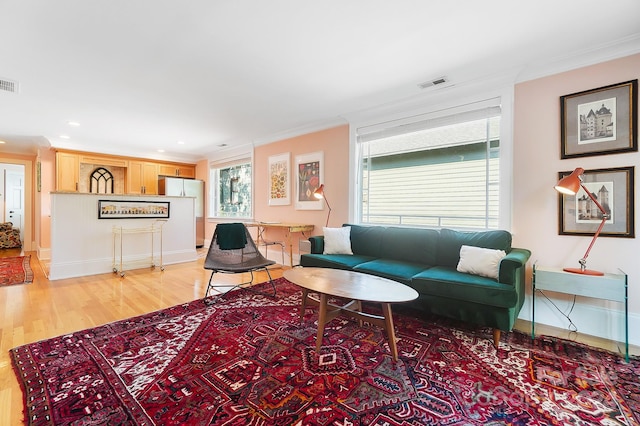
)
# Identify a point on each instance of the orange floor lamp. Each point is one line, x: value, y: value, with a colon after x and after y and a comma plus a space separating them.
x: 570, y: 185
x: 319, y: 194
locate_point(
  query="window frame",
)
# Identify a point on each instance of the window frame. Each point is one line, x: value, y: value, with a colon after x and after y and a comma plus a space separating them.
x: 214, y: 188
x: 440, y: 106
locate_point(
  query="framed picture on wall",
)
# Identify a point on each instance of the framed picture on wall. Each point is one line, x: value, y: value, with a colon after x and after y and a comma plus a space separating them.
x: 279, y: 180
x: 309, y: 175
x: 613, y: 188
x: 600, y: 121
x: 116, y: 209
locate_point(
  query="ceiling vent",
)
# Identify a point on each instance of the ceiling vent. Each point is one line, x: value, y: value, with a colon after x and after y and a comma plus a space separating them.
x: 434, y: 82
x: 7, y: 85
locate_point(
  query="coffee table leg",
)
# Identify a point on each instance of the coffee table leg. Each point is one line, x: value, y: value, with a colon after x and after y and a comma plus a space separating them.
x: 303, y: 307
x: 391, y: 334
x: 322, y: 319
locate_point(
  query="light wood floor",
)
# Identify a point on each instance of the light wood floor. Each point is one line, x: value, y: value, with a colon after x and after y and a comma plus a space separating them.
x: 44, y: 309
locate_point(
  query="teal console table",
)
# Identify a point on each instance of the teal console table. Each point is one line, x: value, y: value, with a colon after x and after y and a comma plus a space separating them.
x: 607, y: 287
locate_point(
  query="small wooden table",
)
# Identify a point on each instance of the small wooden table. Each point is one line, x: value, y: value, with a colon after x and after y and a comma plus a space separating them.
x: 289, y: 229
x: 356, y: 287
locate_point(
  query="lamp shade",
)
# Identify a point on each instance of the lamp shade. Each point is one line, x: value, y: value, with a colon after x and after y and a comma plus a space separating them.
x: 570, y: 184
x: 319, y: 192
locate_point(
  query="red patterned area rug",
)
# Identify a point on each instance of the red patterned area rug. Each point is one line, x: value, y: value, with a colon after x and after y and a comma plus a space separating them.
x: 15, y: 270
x: 247, y: 360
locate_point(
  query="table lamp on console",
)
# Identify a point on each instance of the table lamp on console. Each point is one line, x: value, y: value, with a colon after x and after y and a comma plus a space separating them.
x: 570, y: 185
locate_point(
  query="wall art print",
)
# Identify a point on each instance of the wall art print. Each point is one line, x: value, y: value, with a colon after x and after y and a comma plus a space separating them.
x: 600, y: 121
x: 309, y: 176
x: 614, y: 190
x: 279, y: 180
x: 110, y: 209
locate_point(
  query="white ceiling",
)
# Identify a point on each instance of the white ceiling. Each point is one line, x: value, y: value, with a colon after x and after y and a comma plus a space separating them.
x: 141, y: 75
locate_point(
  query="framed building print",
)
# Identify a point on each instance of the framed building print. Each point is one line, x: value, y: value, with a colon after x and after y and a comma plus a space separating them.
x: 600, y: 121
x: 309, y: 175
x: 614, y: 190
x: 279, y: 180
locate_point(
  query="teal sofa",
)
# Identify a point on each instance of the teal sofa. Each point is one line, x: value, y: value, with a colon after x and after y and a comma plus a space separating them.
x: 426, y: 260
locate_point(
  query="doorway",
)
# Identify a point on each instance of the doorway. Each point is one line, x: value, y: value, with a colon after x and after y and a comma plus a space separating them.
x: 12, y: 195
x: 15, y: 199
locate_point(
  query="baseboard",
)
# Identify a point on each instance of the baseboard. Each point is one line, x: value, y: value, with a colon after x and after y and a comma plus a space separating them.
x: 604, y: 320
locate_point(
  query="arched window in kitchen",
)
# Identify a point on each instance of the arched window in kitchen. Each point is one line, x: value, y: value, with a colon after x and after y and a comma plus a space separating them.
x: 101, y: 181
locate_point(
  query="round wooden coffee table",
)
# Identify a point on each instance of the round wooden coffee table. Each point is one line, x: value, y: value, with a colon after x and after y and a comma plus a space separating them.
x: 355, y: 287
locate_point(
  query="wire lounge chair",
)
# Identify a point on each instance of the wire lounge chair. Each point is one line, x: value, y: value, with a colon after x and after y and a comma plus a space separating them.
x: 233, y: 251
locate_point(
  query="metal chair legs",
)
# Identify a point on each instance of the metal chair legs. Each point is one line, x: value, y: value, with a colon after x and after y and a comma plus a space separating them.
x: 246, y: 285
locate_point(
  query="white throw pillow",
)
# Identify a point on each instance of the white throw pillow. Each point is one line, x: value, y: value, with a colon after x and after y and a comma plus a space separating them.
x: 337, y: 240
x: 480, y: 261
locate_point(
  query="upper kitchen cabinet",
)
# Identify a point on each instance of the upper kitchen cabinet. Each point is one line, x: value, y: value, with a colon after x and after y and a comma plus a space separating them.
x: 67, y: 171
x: 177, y: 170
x: 142, y: 178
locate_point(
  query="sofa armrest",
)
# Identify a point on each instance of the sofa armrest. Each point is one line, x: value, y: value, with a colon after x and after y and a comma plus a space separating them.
x: 512, y: 266
x: 317, y: 244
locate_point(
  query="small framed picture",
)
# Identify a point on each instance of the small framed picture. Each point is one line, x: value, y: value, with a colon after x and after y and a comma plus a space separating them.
x: 309, y: 176
x: 600, y: 121
x: 279, y: 180
x: 613, y: 188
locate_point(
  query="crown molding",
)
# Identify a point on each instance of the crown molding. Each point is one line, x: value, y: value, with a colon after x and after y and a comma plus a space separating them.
x: 590, y: 56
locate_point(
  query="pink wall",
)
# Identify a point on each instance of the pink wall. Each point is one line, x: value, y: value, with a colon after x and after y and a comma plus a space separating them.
x: 334, y: 143
x: 537, y: 163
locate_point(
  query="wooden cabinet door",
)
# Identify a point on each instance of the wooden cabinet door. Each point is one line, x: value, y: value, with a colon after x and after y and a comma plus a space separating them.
x: 142, y: 178
x: 187, y: 171
x: 150, y: 178
x: 178, y: 170
x: 67, y: 171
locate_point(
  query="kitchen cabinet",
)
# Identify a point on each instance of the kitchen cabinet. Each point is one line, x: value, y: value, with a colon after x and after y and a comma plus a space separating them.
x: 133, y: 175
x: 142, y: 178
x: 177, y: 170
x: 67, y: 171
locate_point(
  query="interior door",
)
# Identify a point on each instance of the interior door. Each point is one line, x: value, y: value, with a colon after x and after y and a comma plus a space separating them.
x: 14, y: 199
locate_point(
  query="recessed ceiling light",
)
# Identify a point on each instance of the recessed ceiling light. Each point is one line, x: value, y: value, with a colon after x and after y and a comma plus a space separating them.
x: 161, y: 150
x: 65, y: 137
x: 180, y: 142
x: 73, y: 123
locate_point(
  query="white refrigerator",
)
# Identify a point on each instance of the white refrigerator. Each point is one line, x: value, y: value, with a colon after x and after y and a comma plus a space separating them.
x: 181, y: 187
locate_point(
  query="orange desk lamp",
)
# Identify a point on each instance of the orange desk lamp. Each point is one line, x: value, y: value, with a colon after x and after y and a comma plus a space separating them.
x: 570, y: 185
x: 319, y: 194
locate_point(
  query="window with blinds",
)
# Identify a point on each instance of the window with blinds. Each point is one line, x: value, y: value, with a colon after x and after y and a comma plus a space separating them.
x: 438, y: 171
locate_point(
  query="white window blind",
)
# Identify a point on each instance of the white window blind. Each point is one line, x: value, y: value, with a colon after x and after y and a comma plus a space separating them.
x: 436, y: 170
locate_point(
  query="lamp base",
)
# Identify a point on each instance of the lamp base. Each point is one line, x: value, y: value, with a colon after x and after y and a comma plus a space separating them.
x: 583, y: 272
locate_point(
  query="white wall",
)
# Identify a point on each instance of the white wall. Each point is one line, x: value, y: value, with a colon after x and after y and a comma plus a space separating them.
x: 82, y: 244
x: 535, y: 207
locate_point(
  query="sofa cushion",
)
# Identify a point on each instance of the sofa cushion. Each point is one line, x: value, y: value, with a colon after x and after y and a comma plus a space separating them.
x: 366, y: 240
x: 337, y: 240
x: 337, y: 261
x: 447, y: 282
x: 480, y: 261
x: 392, y: 269
x: 451, y: 241
x: 410, y: 245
